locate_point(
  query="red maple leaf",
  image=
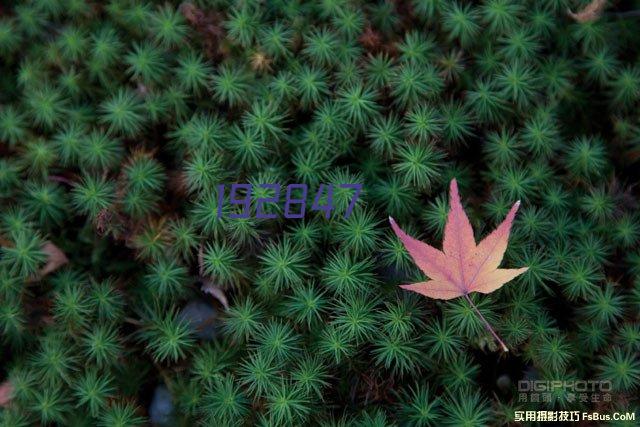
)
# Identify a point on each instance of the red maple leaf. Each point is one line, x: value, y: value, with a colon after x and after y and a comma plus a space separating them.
x: 462, y: 266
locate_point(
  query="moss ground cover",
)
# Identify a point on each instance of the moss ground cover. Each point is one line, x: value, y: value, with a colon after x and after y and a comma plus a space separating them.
x: 137, y: 288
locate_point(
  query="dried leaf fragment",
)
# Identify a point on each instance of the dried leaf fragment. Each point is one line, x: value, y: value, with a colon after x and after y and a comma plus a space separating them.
x: 590, y: 12
x: 6, y: 393
x: 55, y: 259
x: 209, y: 288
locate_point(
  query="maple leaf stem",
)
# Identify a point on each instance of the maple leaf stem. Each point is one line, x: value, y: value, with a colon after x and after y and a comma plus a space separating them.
x: 486, y: 324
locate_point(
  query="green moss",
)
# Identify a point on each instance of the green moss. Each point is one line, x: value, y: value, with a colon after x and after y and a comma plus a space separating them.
x: 120, y: 119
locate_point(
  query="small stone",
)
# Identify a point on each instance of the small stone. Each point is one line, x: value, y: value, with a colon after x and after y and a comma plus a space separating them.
x: 202, y: 317
x: 504, y: 383
x: 161, y: 409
